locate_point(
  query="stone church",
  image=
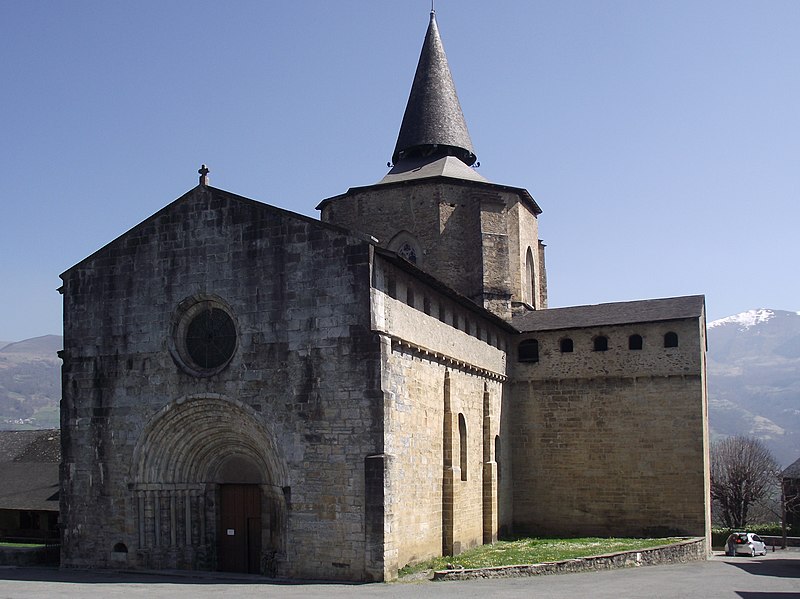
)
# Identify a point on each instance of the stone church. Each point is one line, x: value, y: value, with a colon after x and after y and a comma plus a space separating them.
x: 248, y: 389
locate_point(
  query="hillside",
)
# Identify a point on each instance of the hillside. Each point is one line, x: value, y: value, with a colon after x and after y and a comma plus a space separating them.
x: 30, y: 383
x: 754, y: 379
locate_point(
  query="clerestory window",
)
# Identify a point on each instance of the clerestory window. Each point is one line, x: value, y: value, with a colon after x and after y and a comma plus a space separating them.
x: 462, y: 439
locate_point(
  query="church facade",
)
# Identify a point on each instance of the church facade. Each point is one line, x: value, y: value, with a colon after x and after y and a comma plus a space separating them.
x: 248, y: 389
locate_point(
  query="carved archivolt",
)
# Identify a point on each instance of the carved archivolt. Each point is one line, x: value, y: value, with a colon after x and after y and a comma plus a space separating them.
x: 190, y: 440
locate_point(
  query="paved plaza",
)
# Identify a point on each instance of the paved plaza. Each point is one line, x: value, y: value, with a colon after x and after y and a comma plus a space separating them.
x: 775, y: 576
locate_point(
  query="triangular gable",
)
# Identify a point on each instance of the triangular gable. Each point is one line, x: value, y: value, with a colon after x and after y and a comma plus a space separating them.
x: 258, y: 210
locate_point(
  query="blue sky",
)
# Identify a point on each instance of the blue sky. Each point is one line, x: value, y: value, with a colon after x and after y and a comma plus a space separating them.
x: 661, y: 139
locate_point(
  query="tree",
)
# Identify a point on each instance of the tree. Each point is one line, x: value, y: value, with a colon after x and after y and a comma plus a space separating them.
x: 743, y: 473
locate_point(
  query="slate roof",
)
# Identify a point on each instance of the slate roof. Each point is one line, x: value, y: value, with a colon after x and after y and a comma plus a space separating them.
x: 433, y: 123
x: 792, y: 471
x: 421, y: 168
x: 616, y: 313
x: 29, y: 469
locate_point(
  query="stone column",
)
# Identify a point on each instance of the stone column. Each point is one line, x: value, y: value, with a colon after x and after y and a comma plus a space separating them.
x: 375, y: 566
x: 449, y: 475
x: 489, y: 474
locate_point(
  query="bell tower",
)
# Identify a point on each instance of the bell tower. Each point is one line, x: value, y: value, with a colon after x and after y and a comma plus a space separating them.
x: 436, y: 211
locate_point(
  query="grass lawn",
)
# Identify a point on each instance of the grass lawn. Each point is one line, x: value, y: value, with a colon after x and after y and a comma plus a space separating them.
x: 535, y: 551
x: 4, y: 544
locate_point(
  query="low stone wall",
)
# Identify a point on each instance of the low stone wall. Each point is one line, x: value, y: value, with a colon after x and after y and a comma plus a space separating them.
x: 684, y: 551
x: 29, y: 556
x: 775, y: 541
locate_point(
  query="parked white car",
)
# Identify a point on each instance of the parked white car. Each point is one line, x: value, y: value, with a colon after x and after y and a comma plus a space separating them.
x: 745, y: 543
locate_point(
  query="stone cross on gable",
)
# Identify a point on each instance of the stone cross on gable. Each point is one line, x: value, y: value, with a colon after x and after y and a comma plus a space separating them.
x: 204, y: 175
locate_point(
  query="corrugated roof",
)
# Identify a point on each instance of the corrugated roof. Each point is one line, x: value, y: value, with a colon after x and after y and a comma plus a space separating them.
x: 616, y: 313
x: 433, y: 123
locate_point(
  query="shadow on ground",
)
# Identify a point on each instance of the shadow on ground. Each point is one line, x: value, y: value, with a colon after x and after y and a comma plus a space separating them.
x: 43, y: 574
x: 760, y: 595
x: 782, y: 568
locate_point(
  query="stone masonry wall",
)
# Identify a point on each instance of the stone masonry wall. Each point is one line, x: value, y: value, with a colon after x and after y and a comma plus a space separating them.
x: 303, y: 388
x: 436, y: 215
x: 434, y: 372
x: 524, y: 235
x: 470, y: 234
x: 684, y: 551
x: 612, y: 442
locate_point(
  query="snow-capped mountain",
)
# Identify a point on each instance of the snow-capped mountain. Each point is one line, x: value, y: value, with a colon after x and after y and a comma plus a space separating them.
x: 754, y: 379
x: 745, y: 320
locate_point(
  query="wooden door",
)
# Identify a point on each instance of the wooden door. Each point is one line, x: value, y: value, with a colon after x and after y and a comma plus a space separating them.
x: 239, y: 547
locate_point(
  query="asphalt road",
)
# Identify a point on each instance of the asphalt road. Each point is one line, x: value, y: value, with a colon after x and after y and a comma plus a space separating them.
x: 775, y: 576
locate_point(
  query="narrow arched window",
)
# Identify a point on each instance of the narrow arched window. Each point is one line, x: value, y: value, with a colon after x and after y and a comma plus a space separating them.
x: 600, y: 343
x: 671, y: 339
x: 635, y: 342
x: 497, y: 454
x: 462, y: 440
x: 410, y: 296
x: 530, y: 280
x: 528, y: 351
x: 566, y: 345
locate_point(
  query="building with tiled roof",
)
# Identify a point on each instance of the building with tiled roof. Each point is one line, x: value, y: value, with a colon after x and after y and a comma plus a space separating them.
x: 29, y: 489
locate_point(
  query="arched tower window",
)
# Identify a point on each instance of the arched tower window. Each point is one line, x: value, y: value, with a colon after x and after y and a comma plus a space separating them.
x: 635, y: 342
x: 529, y: 284
x: 409, y: 252
x: 671, y: 339
x: 601, y: 343
x: 462, y: 445
x: 566, y: 345
x: 406, y: 246
x: 528, y: 351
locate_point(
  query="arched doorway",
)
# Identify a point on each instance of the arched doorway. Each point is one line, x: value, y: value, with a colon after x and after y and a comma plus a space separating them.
x: 210, y: 490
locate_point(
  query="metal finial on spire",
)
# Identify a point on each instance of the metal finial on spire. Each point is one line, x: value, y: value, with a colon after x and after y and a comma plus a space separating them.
x: 204, y: 174
x: 433, y: 8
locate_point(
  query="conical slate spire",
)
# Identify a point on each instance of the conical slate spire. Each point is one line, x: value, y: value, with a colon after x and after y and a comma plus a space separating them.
x: 433, y: 124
